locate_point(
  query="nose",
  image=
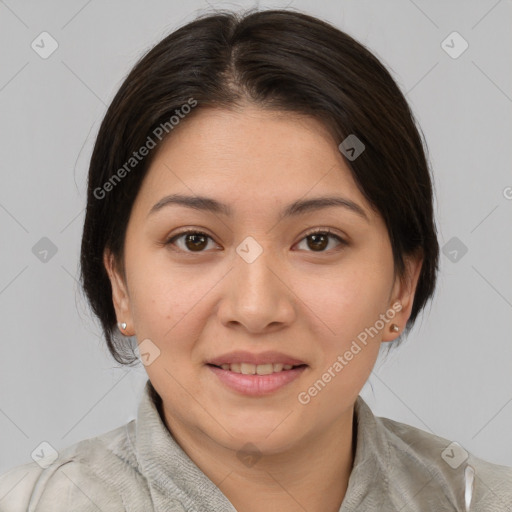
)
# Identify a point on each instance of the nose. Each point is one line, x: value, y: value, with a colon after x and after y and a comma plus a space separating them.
x: 257, y: 295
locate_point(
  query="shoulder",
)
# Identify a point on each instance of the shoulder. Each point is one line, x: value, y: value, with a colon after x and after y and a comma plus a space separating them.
x: 66, y: 485
x: 436, y: 462
x: 86, y: 476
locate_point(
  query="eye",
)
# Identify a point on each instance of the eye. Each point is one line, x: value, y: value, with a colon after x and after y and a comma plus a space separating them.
x: 320, y: 239
x: 197, y: 241
x: 194, y: 241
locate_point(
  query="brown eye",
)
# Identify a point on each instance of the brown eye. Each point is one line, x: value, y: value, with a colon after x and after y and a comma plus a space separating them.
x: 193, y: 241
x: 319, y: 240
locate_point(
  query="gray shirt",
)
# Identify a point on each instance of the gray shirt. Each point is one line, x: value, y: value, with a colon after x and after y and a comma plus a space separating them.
x: 139, y: 467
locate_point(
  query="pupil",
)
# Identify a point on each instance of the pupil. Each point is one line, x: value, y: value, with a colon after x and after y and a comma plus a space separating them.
x: 192, y: 238
x: 316, y: 238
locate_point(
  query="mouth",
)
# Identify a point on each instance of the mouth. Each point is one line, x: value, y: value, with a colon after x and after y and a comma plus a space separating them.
x: 257, y: 369
x: 256, y: 380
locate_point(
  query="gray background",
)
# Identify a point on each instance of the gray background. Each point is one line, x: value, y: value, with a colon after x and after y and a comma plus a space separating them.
x: 452, y: 376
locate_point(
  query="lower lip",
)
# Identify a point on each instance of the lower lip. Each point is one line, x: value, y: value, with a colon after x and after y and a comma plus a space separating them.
x: 257, y: 385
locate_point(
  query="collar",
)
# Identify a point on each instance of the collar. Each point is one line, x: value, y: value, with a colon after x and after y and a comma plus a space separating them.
x: 172, y: 477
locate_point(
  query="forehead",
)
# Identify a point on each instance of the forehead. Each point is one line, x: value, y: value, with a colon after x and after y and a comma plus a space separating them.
x: 263, y: 157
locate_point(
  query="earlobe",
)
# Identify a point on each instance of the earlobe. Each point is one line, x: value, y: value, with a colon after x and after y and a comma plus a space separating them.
x: 403, y: 293
x: 120, y: 297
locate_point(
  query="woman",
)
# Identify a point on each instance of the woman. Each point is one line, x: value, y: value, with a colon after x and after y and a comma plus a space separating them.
x: 259, y: 217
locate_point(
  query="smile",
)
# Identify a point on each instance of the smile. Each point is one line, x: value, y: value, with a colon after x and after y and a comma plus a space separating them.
x: 244, y: 379
x: 257, y: 369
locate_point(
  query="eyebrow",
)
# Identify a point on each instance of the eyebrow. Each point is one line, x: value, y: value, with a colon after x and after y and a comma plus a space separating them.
x: 296, y: 208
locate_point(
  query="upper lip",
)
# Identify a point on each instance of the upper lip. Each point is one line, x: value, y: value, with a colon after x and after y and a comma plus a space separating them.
x: 240, y: 356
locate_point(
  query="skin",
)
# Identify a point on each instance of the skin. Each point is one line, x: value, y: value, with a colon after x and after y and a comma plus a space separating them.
x: 304, y: 301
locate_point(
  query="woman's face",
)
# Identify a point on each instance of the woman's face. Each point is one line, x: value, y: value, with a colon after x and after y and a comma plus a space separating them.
x: 255, y: 280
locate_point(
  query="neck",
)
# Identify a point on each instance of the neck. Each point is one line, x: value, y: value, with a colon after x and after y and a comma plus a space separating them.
x: 311, y: 475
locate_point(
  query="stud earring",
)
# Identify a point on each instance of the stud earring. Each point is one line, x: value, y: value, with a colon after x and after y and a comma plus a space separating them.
x: 394, y: 328
x: 122, y: 326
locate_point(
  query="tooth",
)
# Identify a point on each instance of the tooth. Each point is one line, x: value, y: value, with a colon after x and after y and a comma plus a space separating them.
x: 248, y: 368
x: 264, y: 369
x: 252, y: 369
x: 235, y: 367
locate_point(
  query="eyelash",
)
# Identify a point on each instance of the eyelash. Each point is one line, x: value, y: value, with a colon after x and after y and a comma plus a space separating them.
x: 327, y: 231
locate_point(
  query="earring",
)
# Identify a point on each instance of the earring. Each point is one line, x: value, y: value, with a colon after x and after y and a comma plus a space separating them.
x: 394, y: 328
x: 122, y: 326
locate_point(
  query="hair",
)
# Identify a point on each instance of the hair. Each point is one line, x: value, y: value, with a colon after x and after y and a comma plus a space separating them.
x: 278, y: 60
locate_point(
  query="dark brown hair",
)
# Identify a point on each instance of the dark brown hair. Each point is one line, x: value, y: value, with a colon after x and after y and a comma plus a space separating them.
x: 278, y: 60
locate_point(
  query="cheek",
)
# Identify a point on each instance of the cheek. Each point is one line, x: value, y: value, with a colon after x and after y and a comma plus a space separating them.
x: 168, y: 300
x: 345, y: 309
x: 159, y: 295
x: 347, y: 299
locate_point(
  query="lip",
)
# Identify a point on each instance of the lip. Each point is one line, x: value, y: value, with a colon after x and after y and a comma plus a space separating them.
x: 257, y: 385
x: 241, y: 356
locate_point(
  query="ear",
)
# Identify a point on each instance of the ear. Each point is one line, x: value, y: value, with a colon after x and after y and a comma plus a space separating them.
x: 120, y: 297
x: 403, y: 292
